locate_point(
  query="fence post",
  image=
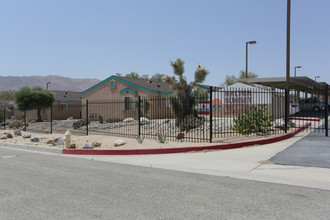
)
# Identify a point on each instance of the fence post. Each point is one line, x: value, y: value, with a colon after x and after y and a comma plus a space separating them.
x: 139, y: 116
x: 326, y: 111
x: 87, y: 117
x: 4, y: 117
x: 286, y: 107
x: 211, y: 114
x: 51, y: 118
x: 24, y: 119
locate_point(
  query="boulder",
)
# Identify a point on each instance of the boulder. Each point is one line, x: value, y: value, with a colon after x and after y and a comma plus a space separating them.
x: 119, y: 143
x: 58, y: 141
x: 69, y: 118
x: 3, y: 136
x: 96, y: 144
x: 17, y: 132
x: 34, y: 139
x: 127, y: 120
x: 163, y: 121
x: 144, y: 120
x: 72, y: 146
x: 49, y: 142
x: 87, y: 146
x: 27, y: 136
x: 9, y: 135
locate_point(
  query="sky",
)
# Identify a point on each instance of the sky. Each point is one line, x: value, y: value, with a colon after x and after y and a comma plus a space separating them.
x: 99, y: 38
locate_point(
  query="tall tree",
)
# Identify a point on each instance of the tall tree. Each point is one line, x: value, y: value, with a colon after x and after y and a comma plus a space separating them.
x: 34, y: 98
x: 7, y: 94
x: 231, y: 79
x: 182, y: 102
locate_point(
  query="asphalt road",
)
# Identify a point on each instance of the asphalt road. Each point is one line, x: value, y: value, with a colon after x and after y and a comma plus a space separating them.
x: 40, y: 186
x: 311, y: 151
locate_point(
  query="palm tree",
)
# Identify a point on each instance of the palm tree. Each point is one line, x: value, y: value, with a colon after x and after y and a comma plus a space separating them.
x: 182, y: 102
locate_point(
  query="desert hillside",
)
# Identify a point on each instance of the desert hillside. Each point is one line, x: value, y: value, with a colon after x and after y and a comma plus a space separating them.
x: 57, y: 82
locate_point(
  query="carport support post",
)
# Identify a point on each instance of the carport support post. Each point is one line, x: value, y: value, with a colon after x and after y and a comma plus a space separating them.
x: 139, y: 115
x: 87, y: 117
x: 51, y: 118
x: 4, y: 117
x: 211, y: 114
x: 286, y: 113
x: 326, y: 111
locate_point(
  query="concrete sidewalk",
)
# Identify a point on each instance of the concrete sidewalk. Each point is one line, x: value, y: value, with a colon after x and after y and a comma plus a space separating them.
x: 245, y: 163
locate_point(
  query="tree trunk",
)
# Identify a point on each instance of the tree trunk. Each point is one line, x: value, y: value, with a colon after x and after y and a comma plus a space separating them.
x: 39, y: 115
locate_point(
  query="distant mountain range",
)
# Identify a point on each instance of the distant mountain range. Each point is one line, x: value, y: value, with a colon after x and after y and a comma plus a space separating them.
x: 60, y: 83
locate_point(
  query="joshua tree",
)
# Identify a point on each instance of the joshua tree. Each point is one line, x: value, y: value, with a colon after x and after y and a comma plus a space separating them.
x: 182, y: 102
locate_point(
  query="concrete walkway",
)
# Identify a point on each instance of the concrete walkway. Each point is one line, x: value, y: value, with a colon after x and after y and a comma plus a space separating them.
x: 245, y: 163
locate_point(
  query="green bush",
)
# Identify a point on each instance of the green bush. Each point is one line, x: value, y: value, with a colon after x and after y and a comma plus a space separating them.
x: 100, y: 117
x: 253, y: 120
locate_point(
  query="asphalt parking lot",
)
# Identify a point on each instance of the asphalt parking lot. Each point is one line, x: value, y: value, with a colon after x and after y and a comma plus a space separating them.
x: 311, y: 151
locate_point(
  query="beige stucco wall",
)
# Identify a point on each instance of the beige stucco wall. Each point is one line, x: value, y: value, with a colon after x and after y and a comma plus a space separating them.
x: 110, y: 103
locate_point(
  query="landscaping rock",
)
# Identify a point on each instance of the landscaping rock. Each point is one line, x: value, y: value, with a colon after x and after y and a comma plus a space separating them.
x: 144, y: 120
x: 27, y: 136
x: 69, y: 118
x: 6, y: 132
x: 163, y: 121
x: 9, y: 135
x: 87, y: 146
x: 49, y: 142
x: 126, y: 120
x: 72, y: 146
x: 96, y: 144
x: 3, y: 136
x: 34, y: 139
x: 119, y: 143
x: 58, y: 141
x: 17, y: 132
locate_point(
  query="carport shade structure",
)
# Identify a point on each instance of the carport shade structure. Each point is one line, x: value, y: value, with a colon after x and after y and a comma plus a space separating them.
x: 299, y: 83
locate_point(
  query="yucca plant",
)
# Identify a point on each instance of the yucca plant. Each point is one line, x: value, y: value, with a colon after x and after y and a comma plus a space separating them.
x: 161, y: 138
x: 140, y: 139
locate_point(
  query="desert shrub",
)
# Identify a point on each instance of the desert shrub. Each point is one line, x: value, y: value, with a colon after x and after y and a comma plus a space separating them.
x: 78, y: 124
x: 253, y: 120
x: 191, y: 122
x: 113, y: 120
x: 17, y: 124
x: 100, y: 117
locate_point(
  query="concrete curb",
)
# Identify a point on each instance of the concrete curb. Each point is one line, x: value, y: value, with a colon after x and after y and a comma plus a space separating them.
x: 187, y: 149
x: 34, y: 148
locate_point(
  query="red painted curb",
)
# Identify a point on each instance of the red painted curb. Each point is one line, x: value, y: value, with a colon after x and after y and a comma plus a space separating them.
x: 305, y: 119
x: 187, y: 149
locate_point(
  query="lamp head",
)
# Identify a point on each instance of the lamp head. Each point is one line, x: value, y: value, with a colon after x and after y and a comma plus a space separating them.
x: 252, y: 42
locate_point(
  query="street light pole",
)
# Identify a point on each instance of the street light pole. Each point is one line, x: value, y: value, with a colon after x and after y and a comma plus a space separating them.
x: 317, y: 77
x: 295, y: 70
x: 246, y: 61
x: 287, y: 91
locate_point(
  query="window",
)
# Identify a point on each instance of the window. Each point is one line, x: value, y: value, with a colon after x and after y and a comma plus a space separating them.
x: 64, y: 107
x: 129, y: 103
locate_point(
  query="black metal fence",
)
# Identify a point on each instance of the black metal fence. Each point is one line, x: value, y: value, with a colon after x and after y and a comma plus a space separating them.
x: 231, y: 112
